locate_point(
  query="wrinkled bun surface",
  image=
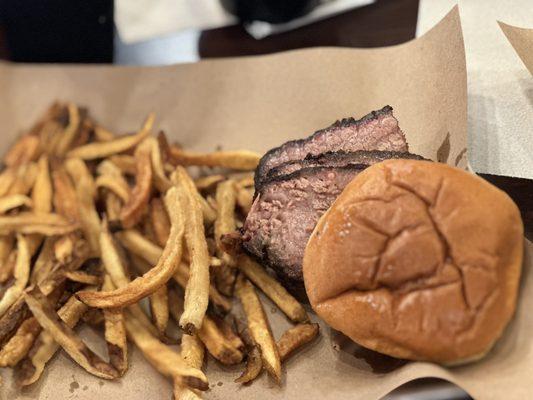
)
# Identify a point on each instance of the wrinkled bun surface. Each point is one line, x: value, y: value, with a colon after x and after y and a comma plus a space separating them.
x: 417, y: 260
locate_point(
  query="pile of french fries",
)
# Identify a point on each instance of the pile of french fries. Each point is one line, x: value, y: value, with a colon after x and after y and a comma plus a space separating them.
x: 91, y: 223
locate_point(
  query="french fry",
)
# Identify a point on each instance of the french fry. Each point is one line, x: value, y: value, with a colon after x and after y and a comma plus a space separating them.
x: 160, y: 222
x: 254, y: 363
x: 7, y: 178
x: 85, y: 193
x: 29, y: 222
x: 159, y: 274
x: 21, y: 274
x: 96, y: 150
x: 102, y: 134
x: 26, y: 148
x: 64, y: 247
x: 273, y: 289
x: 83, y: 277
x: 41, y: 194
x: 218, y: 345
x: 25, y: 178
x: 137, y: 204
x: 18, y: 346
x: 14, y: 201
x: 64, y: 195
x: 7, y: 268
x: 135, y: 242
x: 246, y: 181
x: 197, y: 290
x: 66, y: 337
x: 239, y: 160
x: 161, y: 182
x: 69, y: 134
x: 192, y: 351
x: 32, y: 367
x: 164, y: 359
x: 208, y: 212
x: 85, y: 131
x: 111, y: 258
x: 115, y: 333
x: 245, y: 198
x: 208, y: 181
x: 259, y: 326
x: 159, y: 308
x: 120, y: 188
x: 295, y: 337
x: 125, y: 162
x: 224, y: 224
x: 12, y: 319
x: 113, y: 205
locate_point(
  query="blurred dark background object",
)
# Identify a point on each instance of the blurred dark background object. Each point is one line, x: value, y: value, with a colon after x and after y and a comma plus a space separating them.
x: 383, y: 23
x: 68, y: 31
x: 273, y: 11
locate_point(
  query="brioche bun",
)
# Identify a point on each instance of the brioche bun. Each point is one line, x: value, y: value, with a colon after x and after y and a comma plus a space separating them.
x: 417, y: 260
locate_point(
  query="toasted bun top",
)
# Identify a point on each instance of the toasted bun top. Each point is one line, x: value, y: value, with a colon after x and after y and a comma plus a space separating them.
x: 417, y: 260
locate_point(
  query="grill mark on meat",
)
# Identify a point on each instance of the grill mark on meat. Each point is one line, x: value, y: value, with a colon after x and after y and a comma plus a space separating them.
x: 338, y: 159
x: 377, y: 130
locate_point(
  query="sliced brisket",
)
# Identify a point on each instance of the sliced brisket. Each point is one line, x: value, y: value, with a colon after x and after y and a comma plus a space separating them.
x: 378, y: 130
x: 285, y: 213
x: 338, y: 159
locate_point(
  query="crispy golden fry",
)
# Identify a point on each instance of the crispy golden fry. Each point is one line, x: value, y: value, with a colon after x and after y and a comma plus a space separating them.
x: 115, y: 333
x: 85, y: 193
x: 18, y: 346
x: 295, y: 337
x: 42, y: 189
x: 66, y: 337
x: 101, y: 134
x: 25, y: 179
x: 113, y: 205
x: 83, y: 277
x: 50, y: 135
x: 208, y: 212
x: 125, y: 162
x: 12, y: 319
x: 224, y: 224
x: 6, y: 246
x: 197, y: 290
x: 14, y: 201
x: 96, y: 150
x: 219, y: 301
x: 27, y: 148
x: 218, y: 345
x: 246, y: 181
x: 245, y: 198
x: 161, y: 182
x: 120, y: 188
x: 163, y: 358
x: 135, y: 208
x: 78, y: 171
x: 158, y: 275
x: 254, y: 363
x: 44, y: 262
x: 21, y: 274
x: 111, y: 258
x: 192, y: 351
x: 273, y: 289
x: 136, y: 243
x: 159, y: 308
x: 206, y: 182
x: 64, y: 247
x: 7, y: 178
x: 7, y: 268
x: 259, y: 326
x: 240, y: 159
x: 64, y: 195
x: 228, y: 332
x: 45, y: 346
x: 43, y: 223
x: 160, y: 222
x: 70, y: 132
x: 84, y: 133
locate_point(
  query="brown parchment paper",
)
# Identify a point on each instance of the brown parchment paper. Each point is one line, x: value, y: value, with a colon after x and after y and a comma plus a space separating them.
x: 522, y: 41
x: 257, y: 103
